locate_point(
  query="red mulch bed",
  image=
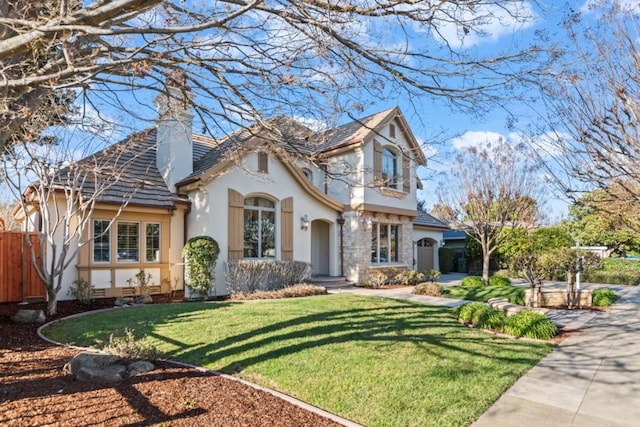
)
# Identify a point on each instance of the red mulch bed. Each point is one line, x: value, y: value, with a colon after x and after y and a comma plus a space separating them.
x: 34, y: 391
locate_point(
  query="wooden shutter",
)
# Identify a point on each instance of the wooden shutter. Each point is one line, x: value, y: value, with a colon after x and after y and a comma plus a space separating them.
x: 263, y: 162
x: 377, y: 163
x: 286, y: 226
x: 406, y: 173
x: 236, y: 226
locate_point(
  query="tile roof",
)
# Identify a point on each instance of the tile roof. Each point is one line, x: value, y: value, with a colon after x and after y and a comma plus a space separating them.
x: 133, y: 159
x: 426, y: 220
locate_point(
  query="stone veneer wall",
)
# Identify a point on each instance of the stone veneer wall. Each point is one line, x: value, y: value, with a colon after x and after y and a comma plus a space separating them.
x: 558, y: 298
x: 357, y: 243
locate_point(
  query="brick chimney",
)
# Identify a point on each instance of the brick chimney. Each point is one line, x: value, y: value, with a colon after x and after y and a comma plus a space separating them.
x: 174, y: 141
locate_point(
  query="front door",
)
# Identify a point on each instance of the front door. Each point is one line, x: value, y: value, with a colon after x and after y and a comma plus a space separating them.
x: 319, y: 248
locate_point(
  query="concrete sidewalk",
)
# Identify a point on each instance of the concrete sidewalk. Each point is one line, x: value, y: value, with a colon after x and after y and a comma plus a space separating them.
x: 591, y: 379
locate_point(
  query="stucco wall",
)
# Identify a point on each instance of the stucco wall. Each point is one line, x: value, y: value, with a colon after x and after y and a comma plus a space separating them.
x: 210, y: 210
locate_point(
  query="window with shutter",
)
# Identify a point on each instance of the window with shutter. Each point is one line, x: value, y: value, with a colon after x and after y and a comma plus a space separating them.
x: 236, y: 225
x: 286, y: 237
x: 377, y: 163
x: 406, y: 174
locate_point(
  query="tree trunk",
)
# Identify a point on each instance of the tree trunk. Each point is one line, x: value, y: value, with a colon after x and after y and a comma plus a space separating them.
x: 52, y: 302
x: 485, y: 266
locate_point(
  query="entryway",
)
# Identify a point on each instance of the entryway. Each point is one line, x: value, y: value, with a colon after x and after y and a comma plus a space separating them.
x: 425, y: 254
x: 320, y: 248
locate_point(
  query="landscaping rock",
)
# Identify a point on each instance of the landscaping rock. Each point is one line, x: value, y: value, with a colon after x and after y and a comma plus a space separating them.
x: 29, y: 316
x: 139, y: 367
x: 144, y: 299
x: 120, y: 301
x: 105, y: 375
x: 89, y: 360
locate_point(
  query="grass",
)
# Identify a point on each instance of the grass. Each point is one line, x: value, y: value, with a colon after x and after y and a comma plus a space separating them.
x: 515, y: 294
x: 376, y: 361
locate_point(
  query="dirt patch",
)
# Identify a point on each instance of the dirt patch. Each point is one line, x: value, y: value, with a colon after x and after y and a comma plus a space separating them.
x: 35, y: 391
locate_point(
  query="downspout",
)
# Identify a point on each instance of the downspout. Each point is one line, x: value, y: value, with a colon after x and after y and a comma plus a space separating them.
x: 340, y: 222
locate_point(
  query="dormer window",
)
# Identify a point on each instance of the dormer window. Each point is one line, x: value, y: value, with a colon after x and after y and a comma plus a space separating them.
x: 263, y: 162
x: 307, y: 172
x: 392, y: 131
x: 389, y: 168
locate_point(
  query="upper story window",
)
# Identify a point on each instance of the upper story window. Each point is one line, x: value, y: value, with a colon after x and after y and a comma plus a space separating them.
x: 259, y: 228
x: 263, y: 162
x: 392, y: 131
x: 307, y: 172
x: 389, y: 168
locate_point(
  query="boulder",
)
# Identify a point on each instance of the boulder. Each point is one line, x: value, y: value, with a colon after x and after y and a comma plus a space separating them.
x: 89, y: 360
x: 139, y: 367
x: 120, y: 301
x: 29, y: 316
x: 144, y: 299
x: 104, y: 375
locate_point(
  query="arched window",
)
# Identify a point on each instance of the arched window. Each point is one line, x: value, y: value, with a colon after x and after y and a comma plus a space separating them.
x: 389, y: 168
x: 392, y: 131
x: 259, y: 228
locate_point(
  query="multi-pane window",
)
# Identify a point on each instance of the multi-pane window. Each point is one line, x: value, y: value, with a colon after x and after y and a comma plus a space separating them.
x: 384, y: 243
x: 152, y: 242
x: 389, y: 168
x: 128, y: 239
x: 259, y: 228
x: 101, y: 241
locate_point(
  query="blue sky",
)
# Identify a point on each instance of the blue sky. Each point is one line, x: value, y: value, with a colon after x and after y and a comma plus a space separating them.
x: 444, y: 131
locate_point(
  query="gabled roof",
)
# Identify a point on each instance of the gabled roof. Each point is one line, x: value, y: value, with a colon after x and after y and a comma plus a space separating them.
x: 425, y: 220
x: 133, y: 162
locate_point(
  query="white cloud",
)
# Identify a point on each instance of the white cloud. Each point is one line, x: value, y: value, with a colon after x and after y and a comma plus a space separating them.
x: 476, y: 139
x: 465, y: 27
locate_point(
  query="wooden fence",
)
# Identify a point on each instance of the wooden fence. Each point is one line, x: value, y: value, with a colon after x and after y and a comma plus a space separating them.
x: 18, y: 278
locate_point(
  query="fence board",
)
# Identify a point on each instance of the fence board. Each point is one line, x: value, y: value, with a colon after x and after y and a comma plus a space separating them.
x: 17, y: 284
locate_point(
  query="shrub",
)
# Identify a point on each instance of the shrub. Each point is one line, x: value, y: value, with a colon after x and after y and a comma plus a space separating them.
x: 446, y: 256
x: 472, y: 281
x: 128, y: 347
x: 603, y: 297
x: 431, y: 275
x: 299, y: 290
x: 200, y: 254
x: 428, y: 288
x: 497, y: 280
x: 142, y: 281
x: 629, y: 278
x: 82, y: 291
x: 255, y: 275
x: 530, y: 324
x: 621, y: 265
x: 408, y: 277
x: 481, y: 315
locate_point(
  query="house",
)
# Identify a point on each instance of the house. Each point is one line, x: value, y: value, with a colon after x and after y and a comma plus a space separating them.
x: 343, y: 200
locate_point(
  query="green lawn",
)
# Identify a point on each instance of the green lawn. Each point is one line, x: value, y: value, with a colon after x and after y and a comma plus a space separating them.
x: 515, y: 294
x: 377, y: 361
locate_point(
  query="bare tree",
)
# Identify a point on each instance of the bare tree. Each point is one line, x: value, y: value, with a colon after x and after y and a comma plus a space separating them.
x: 57, y: 196
x: 249, y: 59
x: 591, y: 132
x: 494, y: 189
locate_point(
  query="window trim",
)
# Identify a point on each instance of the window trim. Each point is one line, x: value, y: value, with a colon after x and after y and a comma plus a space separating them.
x: 128, y: 261
x: 260, y: 210
x: 106, y: 234
x: 386, y: 154
x: 146, y: 236
x: 375, y: 236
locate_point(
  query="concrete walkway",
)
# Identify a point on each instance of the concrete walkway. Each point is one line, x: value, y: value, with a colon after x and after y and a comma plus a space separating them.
x: 591, y: 379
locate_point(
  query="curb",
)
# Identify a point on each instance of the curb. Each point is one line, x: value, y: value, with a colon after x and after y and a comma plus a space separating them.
x: 299, y: 403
